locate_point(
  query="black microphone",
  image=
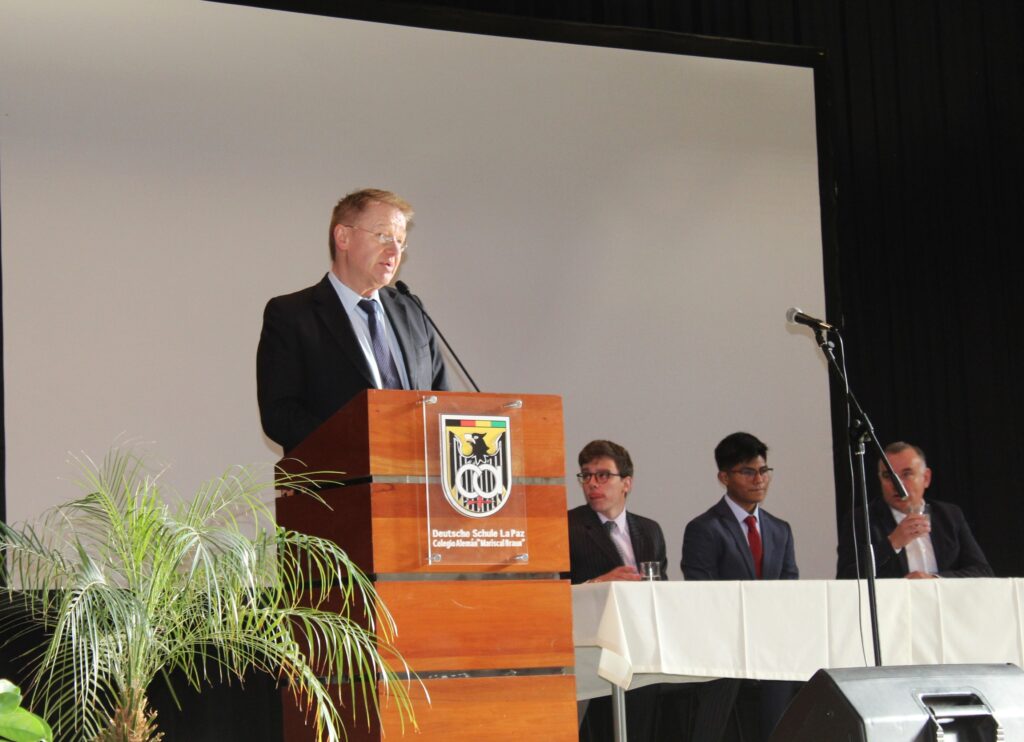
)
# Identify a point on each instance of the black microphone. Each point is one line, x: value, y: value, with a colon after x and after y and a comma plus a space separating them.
x: 796, y: 316
x: 403, y: 289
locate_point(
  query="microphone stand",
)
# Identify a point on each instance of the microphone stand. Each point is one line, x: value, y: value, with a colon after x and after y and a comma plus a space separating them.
x: 403, y: 289
x: 861, y: 433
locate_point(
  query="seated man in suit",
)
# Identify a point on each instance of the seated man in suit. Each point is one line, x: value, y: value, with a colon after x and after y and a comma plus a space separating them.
x: 323, y: 345
x: 909, y: 538
x: 608, y: 543
x: 738, y: 540
x: 605, y: 541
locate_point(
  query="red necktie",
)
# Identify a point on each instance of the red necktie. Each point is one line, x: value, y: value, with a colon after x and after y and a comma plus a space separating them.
x: 754, y: 539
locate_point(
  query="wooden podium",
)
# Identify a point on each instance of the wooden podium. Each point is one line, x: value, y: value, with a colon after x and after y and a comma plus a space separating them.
x: 469, y: 570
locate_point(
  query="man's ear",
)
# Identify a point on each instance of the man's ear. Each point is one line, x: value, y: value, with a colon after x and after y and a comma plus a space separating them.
x: 340, y: 237
x: 927, y: 477
x: 723, y: 477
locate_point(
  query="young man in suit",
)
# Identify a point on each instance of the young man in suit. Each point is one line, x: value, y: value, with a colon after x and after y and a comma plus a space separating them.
x: 599, y: 552
x: 737, y: 539
x: 321, y: 346
x: 912, y: 539
x: 608, y: 543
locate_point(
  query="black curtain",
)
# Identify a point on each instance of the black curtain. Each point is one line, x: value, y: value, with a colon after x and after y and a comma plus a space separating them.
x: 926, y: 130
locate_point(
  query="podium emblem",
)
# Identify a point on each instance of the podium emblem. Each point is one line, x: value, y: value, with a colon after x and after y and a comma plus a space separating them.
x: 476, y: 463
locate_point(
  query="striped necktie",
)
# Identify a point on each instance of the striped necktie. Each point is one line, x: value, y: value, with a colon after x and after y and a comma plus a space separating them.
x: 389, y: 377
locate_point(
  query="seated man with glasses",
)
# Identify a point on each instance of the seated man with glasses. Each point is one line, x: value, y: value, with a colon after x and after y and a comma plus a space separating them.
x: 911, y: 539
x: 323, y: 345
x: 738, y: 540
x: 608, y: 543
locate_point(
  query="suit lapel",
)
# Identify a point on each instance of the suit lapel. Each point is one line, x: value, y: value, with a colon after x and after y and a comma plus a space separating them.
x: 771, y: 555
x: 637, y: 539
x: 332, y: 313
x: 942, y: 543
x: 739, y: 537
x: 599, y: 536
x: 398, y: 316
x: 886, y: 524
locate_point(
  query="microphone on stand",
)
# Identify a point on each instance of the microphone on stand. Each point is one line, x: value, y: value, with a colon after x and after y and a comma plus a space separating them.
x: 403, y: 289
x: 796, y: 316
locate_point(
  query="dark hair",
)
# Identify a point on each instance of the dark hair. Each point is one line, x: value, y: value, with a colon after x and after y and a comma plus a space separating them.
x: 737, y: 448
x: 901, y: 446
x: 615, y: 452
x: 356, y: 202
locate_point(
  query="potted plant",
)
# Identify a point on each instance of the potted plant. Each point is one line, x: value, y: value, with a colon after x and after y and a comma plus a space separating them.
x: 129, y: 588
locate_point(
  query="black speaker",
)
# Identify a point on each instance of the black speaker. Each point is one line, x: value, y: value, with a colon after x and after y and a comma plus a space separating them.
x: 914, y: 703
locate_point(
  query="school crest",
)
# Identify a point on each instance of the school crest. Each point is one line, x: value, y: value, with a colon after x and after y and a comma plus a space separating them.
x: 476, y: 463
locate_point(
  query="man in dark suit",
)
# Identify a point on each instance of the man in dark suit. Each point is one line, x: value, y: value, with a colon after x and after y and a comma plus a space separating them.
x: 608, y: 543
x: 323, y: 345
x: 910, y: 538
x: 598, y: 552
x: 738, y: 540
x: 717, y: 544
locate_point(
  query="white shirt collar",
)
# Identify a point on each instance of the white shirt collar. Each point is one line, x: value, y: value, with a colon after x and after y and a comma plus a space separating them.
x: 741, y: 514
x: 619, y: 521
x: 349, y: 298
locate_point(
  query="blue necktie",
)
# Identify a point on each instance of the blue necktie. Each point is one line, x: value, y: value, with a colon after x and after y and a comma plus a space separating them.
x: 385, y: 361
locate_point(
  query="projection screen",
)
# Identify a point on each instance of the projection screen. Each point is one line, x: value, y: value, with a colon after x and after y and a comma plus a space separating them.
x: 622, y: 228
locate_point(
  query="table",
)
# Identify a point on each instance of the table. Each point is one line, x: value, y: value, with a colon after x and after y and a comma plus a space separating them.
x: 629, y: 634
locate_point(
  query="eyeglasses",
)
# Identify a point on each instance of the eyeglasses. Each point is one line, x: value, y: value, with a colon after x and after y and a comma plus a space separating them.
x: 904, y: 475
x: 748, y: 472
x: 600, y: 476
x: 382, y: 238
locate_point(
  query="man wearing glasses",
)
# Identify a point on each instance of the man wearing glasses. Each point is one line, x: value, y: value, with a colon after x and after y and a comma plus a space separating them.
x: 738, y: 540
x: 323, y: 345
x: 911, y: 539
x: 608, y: 543
x: 605, y: 542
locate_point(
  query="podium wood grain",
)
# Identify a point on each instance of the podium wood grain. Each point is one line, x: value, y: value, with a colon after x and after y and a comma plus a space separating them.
x: 508, y: 709
x: 381, y: 526
x: 482, y: 624
x: 381, y: 432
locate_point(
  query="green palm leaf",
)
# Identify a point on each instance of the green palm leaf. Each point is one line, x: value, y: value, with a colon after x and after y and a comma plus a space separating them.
x: 128, y: 588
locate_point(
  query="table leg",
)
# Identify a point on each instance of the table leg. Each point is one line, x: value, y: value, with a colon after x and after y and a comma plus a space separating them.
x: 619, y: 713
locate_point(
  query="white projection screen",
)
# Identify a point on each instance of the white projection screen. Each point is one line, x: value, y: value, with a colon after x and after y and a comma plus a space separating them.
x: 622, y: 228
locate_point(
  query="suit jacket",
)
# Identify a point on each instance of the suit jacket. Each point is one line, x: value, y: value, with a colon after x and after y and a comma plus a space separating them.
x: 592, y: 552
x: 715, y: 547
x: 309, y: 363
x: 956, y: 551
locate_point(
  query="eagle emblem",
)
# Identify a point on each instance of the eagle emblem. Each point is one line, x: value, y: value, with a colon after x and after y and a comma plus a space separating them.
x: 476, y: 463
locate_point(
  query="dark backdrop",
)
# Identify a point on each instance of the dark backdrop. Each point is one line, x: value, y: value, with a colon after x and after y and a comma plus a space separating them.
x: 925, y: 121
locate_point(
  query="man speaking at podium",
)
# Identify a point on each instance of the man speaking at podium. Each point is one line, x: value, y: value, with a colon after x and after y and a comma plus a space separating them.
x: 323, y: 345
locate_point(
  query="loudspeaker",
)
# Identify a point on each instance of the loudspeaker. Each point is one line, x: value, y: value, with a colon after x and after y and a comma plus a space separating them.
x: 914, y: 703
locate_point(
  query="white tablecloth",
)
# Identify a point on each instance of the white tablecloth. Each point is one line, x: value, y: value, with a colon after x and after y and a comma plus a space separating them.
x: 634, y: 633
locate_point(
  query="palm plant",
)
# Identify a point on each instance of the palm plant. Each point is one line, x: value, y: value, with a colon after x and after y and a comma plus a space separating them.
x: 129, y: 589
